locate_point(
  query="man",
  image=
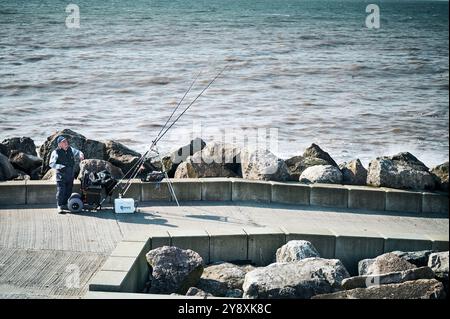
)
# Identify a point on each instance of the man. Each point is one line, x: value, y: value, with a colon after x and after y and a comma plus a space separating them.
x: 62, y: 160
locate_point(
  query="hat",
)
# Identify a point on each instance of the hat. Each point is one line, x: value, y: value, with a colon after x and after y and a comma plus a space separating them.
x: 60, y: 138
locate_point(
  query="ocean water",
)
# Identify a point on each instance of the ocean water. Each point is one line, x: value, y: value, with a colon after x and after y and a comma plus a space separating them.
x: 309, y: 68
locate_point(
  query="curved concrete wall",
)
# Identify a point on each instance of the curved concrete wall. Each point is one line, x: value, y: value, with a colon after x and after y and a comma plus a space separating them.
x: 234, y: 189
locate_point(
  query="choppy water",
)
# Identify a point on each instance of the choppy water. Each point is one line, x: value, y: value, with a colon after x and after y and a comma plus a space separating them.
x: 309, y: 68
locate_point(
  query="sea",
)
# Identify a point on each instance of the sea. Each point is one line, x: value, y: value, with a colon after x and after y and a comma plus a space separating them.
x: 309, y: 71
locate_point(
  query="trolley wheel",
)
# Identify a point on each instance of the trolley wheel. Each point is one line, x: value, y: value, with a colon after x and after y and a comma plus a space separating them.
x: 75, y: 204
x: 75, y: 195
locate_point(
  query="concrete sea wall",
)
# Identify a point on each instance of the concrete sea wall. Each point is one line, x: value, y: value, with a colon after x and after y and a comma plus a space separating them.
x: 237, y: 189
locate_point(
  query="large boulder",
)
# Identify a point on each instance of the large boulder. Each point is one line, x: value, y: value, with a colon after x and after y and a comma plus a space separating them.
x: 223, y: 279
x: 90, y: 148
x: 195, y: 292
x: 121, y: 156
x: 388, y: 278
x: 314, y: 151
x: 353, y: 173
x: 36, y: 174
x: 22, y: 176
x: 20, y: 144
x: 24, y: 162
x: 95, y: 165
x: 321, y: 174
x: 263, y: 165
x: 174, y: 270
x: 363, y: 266
x: 234, y: 293
x: 299, y: 279
x: 387, y: 263
x: 438, y: 262
x: 4, y: 150
x: 441, y: 173
x: 50, y: 175
x: 416, y: 289
x: 312, y: 156
x: 178, y: 156
x: 93, y: 149
x: 295, y: 250
x: 417, y: 258
x: 403, y: 171
x: 297, y: 164
x: 7, y: 171
x: 214, y: 160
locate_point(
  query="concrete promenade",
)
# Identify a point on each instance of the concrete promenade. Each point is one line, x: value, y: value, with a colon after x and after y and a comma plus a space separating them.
x: 41, y: 251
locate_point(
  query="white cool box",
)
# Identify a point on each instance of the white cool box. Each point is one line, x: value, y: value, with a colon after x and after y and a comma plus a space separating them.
x: 124, y: 206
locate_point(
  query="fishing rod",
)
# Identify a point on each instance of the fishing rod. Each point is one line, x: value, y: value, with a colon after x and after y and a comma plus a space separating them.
x: 190, y: 104
x: 161, y: 135
x: 141, y: 160
x: 176, y: 108
x: 136, y: 166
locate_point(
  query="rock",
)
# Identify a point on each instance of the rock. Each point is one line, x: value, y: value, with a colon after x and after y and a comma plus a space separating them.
x: 24, y: 162
x: 441, y: 173
x: 95, y: 165
x: 7, y: 171
x: 234, y: 293
x: 263, y: 165
x: 312, y: 156
x: 153, y: 165
x: 388, y: 278
x: 50, y: 175
x: 314, y: 151
x: 321, y: 174
x: 298, y: 279
x: 120, y: 156
x: 222, y: 279
x: 214, y: 160
x: 403, y: 171
x: 35, y: 174
x: 297, y: 164
x: 175, y: 158
x: 387, y: 263
x: 295, y: 250
x: 4, y: 150
x: 22, y: 176
x: 94, y: 150
x: 232, y: 275
x: 193, y: 291
x: 90, y: 148
x: 215, y: 287
x: 353, y: 173
x: 174, y: 269
x: 363, y: 266
x: 418, y: 258
x: 417, y: 289
x: 20, y: 144
x: 439, y: 263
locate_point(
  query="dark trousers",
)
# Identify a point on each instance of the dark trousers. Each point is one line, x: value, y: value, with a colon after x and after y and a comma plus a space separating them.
x: 64, y: 185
